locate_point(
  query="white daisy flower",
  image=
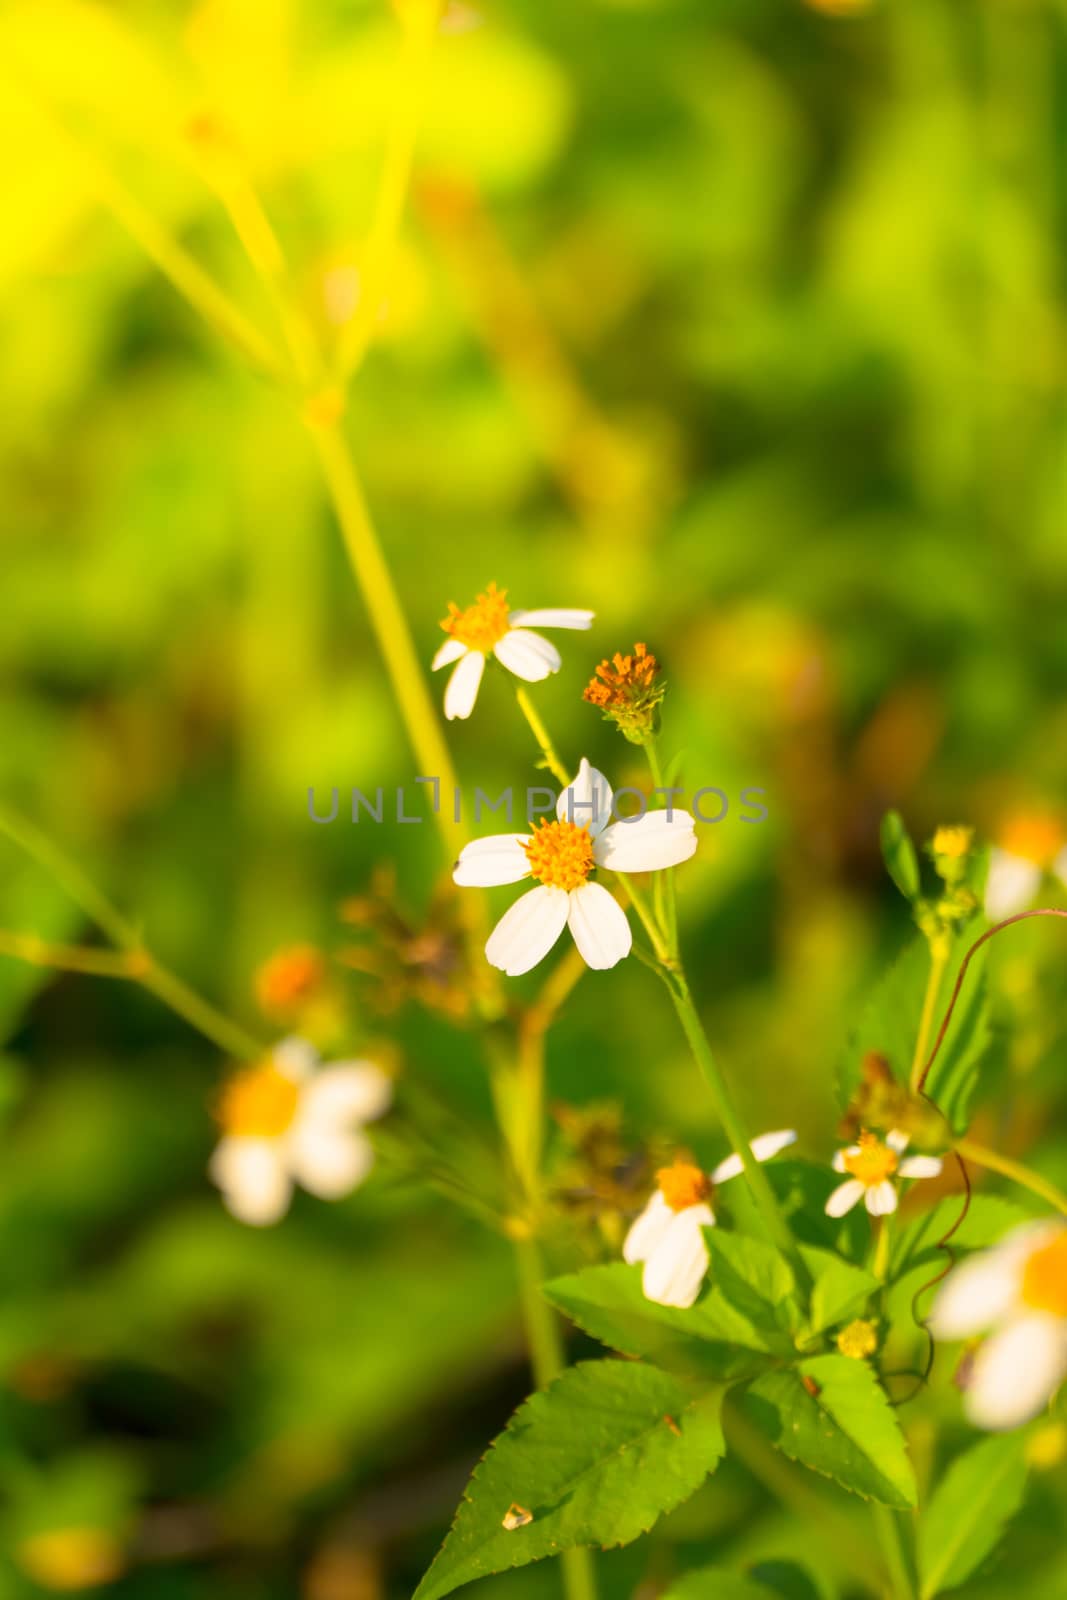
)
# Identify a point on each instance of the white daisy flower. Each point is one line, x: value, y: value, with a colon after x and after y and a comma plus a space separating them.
x: 561, y: 855
x: 1017, y: 1293
x: 872, y: 1165
x: 667, y: 1235
x: 289, y: 1120
x: 1027, y: 848
x: 489, y: 628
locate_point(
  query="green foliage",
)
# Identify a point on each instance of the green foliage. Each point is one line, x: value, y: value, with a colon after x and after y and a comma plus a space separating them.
x: 721, y: 1583
x: 898, y: 853
x: 965, y: 1518
x: 714, y: 1338
x: 889, y: 1026
x: 595, y: 1459
x: 839, y: 1423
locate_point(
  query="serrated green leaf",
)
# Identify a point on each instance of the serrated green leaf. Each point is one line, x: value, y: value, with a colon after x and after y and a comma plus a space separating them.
x: 840, y: 1290
x: 898, y: 853
x: 842, y: 1427
x: 755, y: 1279
x: 596, y: 1458
x: 969, y: 1510
x: 719, y: 1582
x: 710, y: 1339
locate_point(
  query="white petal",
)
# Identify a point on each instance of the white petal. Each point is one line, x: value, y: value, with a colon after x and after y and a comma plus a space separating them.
x: 451, y: 650
x: 838, y: 1162
x: 463, y: 685
x: 648, y: 843
x: 586, y: 799
x: 252, y: 1176
x: 1011, y: 885
x: 599, y: 925
x: 675, y: 1269
x: 347, y: 1091
x: 527, y: 655
x: 1017, y: 1371
x: 499, y: 858
x: 844, y: 1197
x: 648, y: 1229
x: 882, y: 1199
x: 328, y: 1161
x: 763, y: 1147
x: 898, y: 1141
x: 295, y: 1058
x: 977, y: 1293
x: 525, y: 934
x: 552, y: 617
x: 1059, y: 866
x: 921, y: 1167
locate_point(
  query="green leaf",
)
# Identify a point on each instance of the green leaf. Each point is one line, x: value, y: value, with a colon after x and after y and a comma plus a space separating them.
x: 710, y: 1339
x: 968, y: 1512
x: 802, y: 1189
x: 843, y: 1426
x: 840, y: 1291
x: 899, y: 855
x: 719, y: 1582
x: 595, y: 1459
x: 756, y: 1281
x: 989, y: 1217
x: 890, y: 1025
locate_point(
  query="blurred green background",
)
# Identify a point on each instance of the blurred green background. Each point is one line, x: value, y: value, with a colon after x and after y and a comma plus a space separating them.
x: 740, y: 321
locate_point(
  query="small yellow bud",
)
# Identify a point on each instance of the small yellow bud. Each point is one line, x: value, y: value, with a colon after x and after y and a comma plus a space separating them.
x: 858, y: 1340
x: 953, y: 841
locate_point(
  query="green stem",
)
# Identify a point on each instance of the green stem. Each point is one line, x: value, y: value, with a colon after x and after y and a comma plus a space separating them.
x: 667, y: 901
x: 890, y: 1538
x: 762, y: 1193
x: 549, y: 754
x: 547, y: 1362
x: 881, y: 1251
x: 1015, y: 1170
x: 938, y: 962
x: 135, y: 963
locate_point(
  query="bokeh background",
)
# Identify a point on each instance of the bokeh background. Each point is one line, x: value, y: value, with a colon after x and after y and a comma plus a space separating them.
x: 741, y: 322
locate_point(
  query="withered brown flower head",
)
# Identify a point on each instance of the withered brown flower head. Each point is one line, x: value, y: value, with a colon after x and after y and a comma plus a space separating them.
x: 628, y: 688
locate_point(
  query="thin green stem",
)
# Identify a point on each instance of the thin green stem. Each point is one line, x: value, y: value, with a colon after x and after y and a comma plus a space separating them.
x: 130, y: 959
x: 993, y: 1161
x: 891, y: 1541
x: 420, y: 19
x: 549, y: 754
x: 938, y: 962
x: 547, y: 1362
x: 762, y: 1193
x: 881, y: 1250
x: 667, y: 902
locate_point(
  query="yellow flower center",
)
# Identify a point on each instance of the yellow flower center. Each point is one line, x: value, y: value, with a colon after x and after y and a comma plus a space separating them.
x: 1045, y: 1277
x: 1037, y: 837
x: 258, y: 1103
x: 481, y: 625
x: 560, y: 854
x: 683, y: 1185
x: 873, y: 1162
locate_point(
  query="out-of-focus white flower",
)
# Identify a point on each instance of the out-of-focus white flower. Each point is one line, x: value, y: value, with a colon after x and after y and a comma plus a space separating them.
x: 561, y: 855
x: 1017, y: 1293
x: 873, y: 1165
x: 290, y: 1120
x: 1027, y: 847
x: 489, y: 628
x: 667, y: 1235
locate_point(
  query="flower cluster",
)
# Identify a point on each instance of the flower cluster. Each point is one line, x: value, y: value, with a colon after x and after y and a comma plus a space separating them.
x: 628, y: 690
